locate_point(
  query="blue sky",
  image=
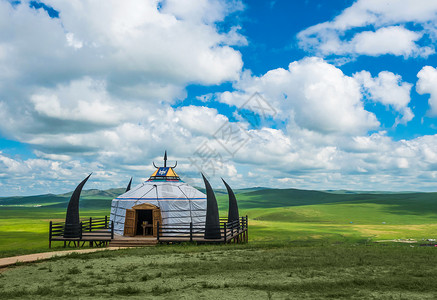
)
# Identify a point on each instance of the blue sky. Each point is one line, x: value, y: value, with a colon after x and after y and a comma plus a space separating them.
x: 304, y: 94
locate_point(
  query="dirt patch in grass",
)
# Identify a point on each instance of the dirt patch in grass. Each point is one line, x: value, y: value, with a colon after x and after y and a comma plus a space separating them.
x: 401, y: 231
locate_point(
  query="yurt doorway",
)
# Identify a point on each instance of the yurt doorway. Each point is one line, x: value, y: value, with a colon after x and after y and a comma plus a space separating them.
x: 142, y: 220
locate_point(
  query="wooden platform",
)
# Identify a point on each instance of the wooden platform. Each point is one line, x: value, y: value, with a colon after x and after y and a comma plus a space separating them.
x: 142, y: 241
x: 231, y: 237
x: 135, y: 241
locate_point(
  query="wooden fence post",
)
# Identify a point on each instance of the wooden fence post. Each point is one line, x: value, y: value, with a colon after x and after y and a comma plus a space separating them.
x: 157, y: 233
x: 112, y: 230
x: 80, y: 236
x: 91, y: 222
x: 50, y: 235
x: 191, y: 231
x: 247, y: 229
x: 224, y: 238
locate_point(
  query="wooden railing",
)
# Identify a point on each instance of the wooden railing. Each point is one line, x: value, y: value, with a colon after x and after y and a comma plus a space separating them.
x: 55, y: 230
x: 236, y: 231
x: 90, y: 230
x: 99, y: 231
x: 94, y: 224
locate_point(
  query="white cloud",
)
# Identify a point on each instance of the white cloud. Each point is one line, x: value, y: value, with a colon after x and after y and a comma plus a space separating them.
x: 98, y: 87
x: 82, y: 100
x: 130, y: 142
x: 312, y: 94
x: 105, y: 71
x: 205, y: 98
x: 208, y: 11
x: 427, y: 84
x: 72, y: 42
x: 361, y: 162
x: 376, y: 27
x: 177, y: 42
x: 200, y: 120
x: 42, y: 176
x: 134, y: 46
x: 394, y: 40
x: 309, y: 159
x: 389, y: 90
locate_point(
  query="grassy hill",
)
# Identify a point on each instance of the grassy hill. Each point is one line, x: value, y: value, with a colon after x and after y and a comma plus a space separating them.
x: 276, y: 215
x: 291, y: 215
x: 268, y: 198
x: 90, y: 199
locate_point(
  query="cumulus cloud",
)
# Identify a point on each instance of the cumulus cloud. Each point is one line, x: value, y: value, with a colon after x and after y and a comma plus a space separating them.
x: 172, y: 40
x: 105, y: 68
x: 369, y: 162
x: 427, y: 84
x: 81, y: 106
x: 394, y: 40
x: 200, y: 120
x: 43, y: 176
x: 312, y: 94
x: 83, y: 100
x: 326, y: 140
x: 388, y: 89
x: 372, y: 162
x: 95, y: 84
x: 142, y: 50
x: 376, y: 28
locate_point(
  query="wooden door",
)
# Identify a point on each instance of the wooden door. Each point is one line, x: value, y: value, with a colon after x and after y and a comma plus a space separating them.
x: 156, y: 218
x: 130, y: 222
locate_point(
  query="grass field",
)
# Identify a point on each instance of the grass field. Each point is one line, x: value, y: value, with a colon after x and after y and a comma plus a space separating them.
x: 269, y: 271
x: 24, y: 221
x: 275, y: 216
x: 24, y: 230
x: 303, y: 245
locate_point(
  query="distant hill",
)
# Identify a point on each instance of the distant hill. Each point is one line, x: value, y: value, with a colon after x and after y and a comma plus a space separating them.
x: 366, y: 192
x: 236, y: 191
x: 111, y: 193
x: 415, y: 203
x: 249, y: 198
x: 92, y: 199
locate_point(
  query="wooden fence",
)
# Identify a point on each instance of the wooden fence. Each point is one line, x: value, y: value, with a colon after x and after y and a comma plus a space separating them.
x: 99, y: 232
x: 230, y: 232
x: 96, y: 231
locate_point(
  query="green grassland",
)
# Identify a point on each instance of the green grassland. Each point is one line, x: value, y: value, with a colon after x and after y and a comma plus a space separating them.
x: 275, y: 216
x: 303, y: 245
x: 24, y: 221
x: 269, y: 271
x: 290, y: 215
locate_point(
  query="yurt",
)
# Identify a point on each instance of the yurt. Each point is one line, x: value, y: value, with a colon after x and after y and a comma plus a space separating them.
x: 163, y: 198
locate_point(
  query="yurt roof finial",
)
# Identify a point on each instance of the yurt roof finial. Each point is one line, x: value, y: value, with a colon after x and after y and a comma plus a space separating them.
x: 165, y: 162
x: 165, y: 173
